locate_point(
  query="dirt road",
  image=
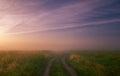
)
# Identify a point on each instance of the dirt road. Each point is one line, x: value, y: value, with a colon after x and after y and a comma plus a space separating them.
x: 67, y: 67
x: 46, y: 73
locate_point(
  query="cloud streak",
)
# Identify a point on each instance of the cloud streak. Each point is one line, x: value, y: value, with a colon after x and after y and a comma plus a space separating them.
x: 69, y: 15
x: 28, y: 17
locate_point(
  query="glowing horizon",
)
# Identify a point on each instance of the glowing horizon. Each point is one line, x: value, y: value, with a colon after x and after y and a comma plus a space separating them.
x: 59, y: 24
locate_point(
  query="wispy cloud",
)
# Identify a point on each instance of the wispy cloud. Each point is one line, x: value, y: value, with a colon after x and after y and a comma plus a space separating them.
x: 19, y: 17
x: 35, y: 18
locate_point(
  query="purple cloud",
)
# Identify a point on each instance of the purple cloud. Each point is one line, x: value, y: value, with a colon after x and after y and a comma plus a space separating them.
x: 33, y: 16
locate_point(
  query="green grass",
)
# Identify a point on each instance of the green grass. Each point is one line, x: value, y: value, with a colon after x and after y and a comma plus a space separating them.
x: 58, y: 69
x: 22, y: 64
x: 92, y: 63
x: 110, y: 61
x: 96, y: 63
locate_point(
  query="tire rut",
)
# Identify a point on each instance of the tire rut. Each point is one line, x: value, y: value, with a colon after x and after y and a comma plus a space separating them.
x: 46, y: 73
x: 71, y: 71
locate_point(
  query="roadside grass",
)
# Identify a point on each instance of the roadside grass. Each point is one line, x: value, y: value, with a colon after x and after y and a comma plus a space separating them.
x: 57, y: 69
x: 95, y: 64
x: 33, y: 63
x: 110, y: 60
x: 23, y: 63
x: 84, y: 67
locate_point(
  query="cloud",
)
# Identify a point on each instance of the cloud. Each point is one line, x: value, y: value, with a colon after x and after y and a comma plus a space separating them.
x: 34, y: 17
x: 62, y: 24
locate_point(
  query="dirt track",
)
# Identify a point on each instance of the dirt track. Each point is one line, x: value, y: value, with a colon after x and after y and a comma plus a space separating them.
x: 71, y: 71
x: 67, y: 67
x: 46, y: 73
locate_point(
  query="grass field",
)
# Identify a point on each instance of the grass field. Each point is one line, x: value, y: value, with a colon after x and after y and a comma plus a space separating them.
x: 23, y: 63
x: 95, y: 63
x: 35, y: 63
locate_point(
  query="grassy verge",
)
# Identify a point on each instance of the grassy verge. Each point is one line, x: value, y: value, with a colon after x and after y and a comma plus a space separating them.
x: 95, y: 64
x: 110, y: 60
x: 22, y: 63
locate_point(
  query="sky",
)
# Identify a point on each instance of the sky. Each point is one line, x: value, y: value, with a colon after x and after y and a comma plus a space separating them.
x: 59, y: 24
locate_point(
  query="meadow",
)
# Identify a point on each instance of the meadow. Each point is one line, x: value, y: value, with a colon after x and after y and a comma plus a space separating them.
x: 95, y: 63
x: 23, y: 63
x: 35, y: 63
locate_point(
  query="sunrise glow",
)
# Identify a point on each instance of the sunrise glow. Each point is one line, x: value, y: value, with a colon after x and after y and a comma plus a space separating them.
x: 59, y: 24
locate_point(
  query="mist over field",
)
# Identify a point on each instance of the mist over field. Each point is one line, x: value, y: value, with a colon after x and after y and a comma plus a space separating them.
x: 59, y: 37
x: 59, y: 25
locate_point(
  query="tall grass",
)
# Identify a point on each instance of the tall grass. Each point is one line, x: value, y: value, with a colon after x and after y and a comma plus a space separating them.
x: 22, y: 63
x: 110, y: 60
x: 84, y: 67
x: 95, y: 63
